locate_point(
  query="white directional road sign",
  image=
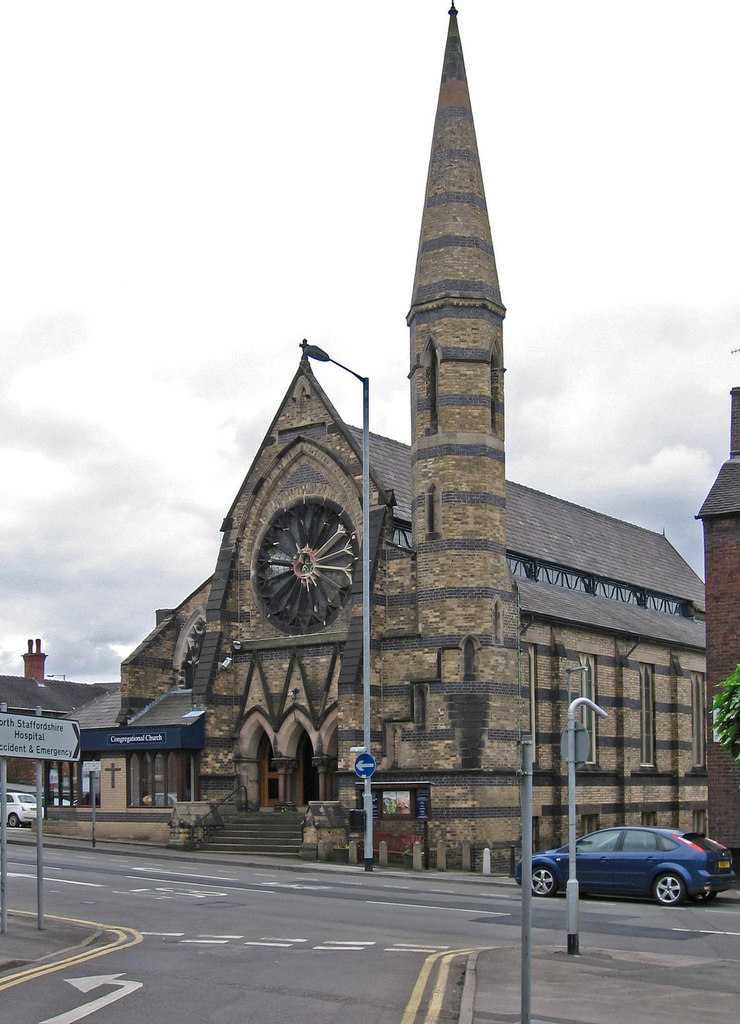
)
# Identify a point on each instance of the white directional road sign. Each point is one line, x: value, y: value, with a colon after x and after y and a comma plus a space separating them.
x: 39, y: 737
x: 364, y: 765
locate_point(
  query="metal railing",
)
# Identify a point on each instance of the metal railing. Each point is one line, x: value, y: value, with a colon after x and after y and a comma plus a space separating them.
x: 208, y: 829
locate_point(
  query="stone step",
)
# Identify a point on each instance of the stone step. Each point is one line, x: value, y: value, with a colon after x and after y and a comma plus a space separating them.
x: 265, y: 834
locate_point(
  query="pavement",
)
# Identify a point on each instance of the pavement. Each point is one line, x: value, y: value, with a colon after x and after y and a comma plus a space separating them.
x: 594, y: 987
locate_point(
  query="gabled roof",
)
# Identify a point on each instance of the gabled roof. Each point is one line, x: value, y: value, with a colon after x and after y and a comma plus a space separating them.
x: 101, y: 713
x: 724, y: 497
x: 53, y: 695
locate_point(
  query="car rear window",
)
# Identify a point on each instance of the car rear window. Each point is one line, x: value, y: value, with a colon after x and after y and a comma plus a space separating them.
x: 704, y: 842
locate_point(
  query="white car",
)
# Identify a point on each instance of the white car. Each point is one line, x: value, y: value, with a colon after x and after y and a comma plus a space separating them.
x: 20, y: 808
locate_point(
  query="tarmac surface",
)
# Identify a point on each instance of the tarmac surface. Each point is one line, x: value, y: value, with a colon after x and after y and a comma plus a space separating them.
x: 595, y: 987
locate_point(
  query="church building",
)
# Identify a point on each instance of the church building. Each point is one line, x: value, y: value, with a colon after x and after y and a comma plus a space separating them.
x: 490, y: 604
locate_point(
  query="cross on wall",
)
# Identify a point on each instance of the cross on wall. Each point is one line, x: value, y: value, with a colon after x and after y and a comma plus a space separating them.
x: 112, y: 768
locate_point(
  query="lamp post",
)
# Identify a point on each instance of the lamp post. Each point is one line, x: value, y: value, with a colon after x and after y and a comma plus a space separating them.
x: 314, y: 352
x: 571, y: 890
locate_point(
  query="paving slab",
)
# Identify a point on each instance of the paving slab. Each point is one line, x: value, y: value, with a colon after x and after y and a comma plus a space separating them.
x: 599, y: 987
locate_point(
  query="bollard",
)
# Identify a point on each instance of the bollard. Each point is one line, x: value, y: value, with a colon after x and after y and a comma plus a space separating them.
x: 382, y: 854
x: 353, y: 857
x: 418, y: 854
x: 486, y: 861
x: 441, y: 856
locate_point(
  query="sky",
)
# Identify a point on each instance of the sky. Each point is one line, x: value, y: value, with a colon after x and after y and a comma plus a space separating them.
x: 190, y: 189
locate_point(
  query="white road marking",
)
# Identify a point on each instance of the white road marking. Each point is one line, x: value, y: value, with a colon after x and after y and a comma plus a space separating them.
x: 340, y: 949
x: 205, y: 942
x: 292, y: 885
x: 263, y: 942
x: 407, y: 947
x: 123, y: 988
x: 204, y: 879
x: 347, y: 945
x: 451, y: 910
x: 703, y: 931
x: 59, y: 881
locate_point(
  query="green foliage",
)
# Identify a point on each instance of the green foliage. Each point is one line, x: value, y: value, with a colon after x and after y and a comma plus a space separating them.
x: 727, y: 714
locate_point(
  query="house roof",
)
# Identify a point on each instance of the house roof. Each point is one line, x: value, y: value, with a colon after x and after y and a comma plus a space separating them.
x: 22, y: 693
x: 101, y: 713
x: 724, y: 497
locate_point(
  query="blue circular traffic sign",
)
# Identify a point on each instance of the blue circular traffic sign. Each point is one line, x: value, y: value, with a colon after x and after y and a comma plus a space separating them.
x: 364, y: 765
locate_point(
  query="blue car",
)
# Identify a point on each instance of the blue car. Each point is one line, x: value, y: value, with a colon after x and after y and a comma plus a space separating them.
x: 664, y: 863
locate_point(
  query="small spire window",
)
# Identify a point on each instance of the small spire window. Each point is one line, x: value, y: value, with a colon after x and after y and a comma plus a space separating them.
x: 470, y: 660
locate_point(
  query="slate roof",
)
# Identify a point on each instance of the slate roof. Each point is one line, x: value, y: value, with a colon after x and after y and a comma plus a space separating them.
x: 563, y: 605
x: 53, y: 695
x: 724, y: 497
x: 173, y: 708
x: 101, y: 713
x: 549, y: 529
x: 554, y: 530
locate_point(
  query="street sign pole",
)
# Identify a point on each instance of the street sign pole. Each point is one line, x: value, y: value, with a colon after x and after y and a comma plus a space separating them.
x: 526, y: 977
x: 40, y: 738
x: 39, y: 845
x: 93, y: 788
x: 3, y: 835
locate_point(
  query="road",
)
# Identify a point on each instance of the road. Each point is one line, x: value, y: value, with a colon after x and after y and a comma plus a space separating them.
x: 223, y: 941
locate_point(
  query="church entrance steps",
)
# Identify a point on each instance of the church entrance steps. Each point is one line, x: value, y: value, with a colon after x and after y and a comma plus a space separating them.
x: 267, y: 834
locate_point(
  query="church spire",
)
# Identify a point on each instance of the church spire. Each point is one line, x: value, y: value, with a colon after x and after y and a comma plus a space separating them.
x: 455, y: 263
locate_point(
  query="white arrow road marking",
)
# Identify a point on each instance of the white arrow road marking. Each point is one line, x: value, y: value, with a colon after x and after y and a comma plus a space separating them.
x: 124, y: 988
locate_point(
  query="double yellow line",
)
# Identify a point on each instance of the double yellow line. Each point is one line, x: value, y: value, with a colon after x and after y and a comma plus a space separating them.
x: 122, y: 939
x: 444, y: 959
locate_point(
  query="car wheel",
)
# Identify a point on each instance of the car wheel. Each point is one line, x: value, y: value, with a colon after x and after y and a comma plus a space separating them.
x: 669, y: 889
x: 544, y: 882
x: 13, y: 820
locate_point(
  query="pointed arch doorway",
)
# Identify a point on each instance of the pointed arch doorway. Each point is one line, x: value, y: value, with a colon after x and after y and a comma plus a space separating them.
x: 268, y: 774
x: 308, y: 776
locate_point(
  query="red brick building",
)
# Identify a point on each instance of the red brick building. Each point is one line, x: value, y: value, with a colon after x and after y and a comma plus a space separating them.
x: 720, y: 514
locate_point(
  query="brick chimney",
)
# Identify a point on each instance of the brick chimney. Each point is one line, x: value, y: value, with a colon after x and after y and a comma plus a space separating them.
x: 735, y: 424
x: 34, y: 662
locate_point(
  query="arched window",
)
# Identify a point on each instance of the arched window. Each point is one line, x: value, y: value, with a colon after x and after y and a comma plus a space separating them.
x: 433, y: 390
x: 158, y: 780
x: 431, y: 509
x: 498, y: 623
x: 420, y: 705
x: 147, y: 780
x: 469, y: 659
x: 497, y: 393
x: 134, y: 780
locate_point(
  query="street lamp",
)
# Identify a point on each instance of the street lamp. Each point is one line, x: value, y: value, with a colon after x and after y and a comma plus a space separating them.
x: 571, y: 890
x: 314, y: 352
